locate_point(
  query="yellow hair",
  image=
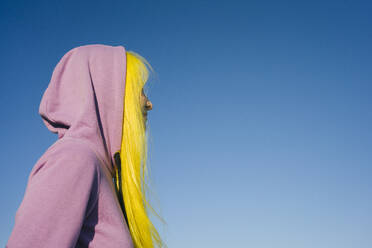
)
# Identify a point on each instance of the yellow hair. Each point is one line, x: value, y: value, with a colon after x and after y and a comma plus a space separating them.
x: 133, y: 156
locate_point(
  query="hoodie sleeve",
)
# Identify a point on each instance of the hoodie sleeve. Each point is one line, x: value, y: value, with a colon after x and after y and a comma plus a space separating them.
x: 60, y: 193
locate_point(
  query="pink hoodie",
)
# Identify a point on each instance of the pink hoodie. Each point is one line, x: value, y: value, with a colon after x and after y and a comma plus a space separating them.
x: 70, y: 199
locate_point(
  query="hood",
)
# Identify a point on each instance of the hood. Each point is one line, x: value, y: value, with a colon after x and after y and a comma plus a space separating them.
x: 85, y: 98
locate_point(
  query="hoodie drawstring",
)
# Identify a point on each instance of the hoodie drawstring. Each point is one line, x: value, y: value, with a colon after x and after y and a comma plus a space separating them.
x: 119, y: 192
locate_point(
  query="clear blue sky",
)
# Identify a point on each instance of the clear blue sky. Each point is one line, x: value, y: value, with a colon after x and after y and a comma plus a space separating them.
x: 261, y: 125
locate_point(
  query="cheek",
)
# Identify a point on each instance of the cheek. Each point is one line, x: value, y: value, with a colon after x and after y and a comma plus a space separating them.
x: 142, y: 101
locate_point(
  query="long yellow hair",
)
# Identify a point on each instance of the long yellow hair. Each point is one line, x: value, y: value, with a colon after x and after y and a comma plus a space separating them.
x: 130, y: 175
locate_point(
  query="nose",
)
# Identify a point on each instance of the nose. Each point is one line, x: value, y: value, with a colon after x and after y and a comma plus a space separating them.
x: 148, y: 105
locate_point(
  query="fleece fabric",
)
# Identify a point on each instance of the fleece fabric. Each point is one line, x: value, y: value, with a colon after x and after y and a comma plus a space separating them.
x: 70, y: 198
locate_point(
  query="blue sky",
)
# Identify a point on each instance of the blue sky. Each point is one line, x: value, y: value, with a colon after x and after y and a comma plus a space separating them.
x: 261, y: 122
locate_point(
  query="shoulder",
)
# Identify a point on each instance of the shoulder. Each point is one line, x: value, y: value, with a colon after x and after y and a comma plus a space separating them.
x: 72, y: 149
x: 71, y: 156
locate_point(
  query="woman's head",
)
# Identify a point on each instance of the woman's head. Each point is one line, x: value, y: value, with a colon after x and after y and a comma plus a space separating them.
x: 137, y: 74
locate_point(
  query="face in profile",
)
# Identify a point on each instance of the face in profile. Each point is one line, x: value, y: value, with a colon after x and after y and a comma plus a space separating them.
x: 146, y: 105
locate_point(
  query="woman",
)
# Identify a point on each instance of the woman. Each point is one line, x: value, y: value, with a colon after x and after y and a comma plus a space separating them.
x: 88, y: 188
